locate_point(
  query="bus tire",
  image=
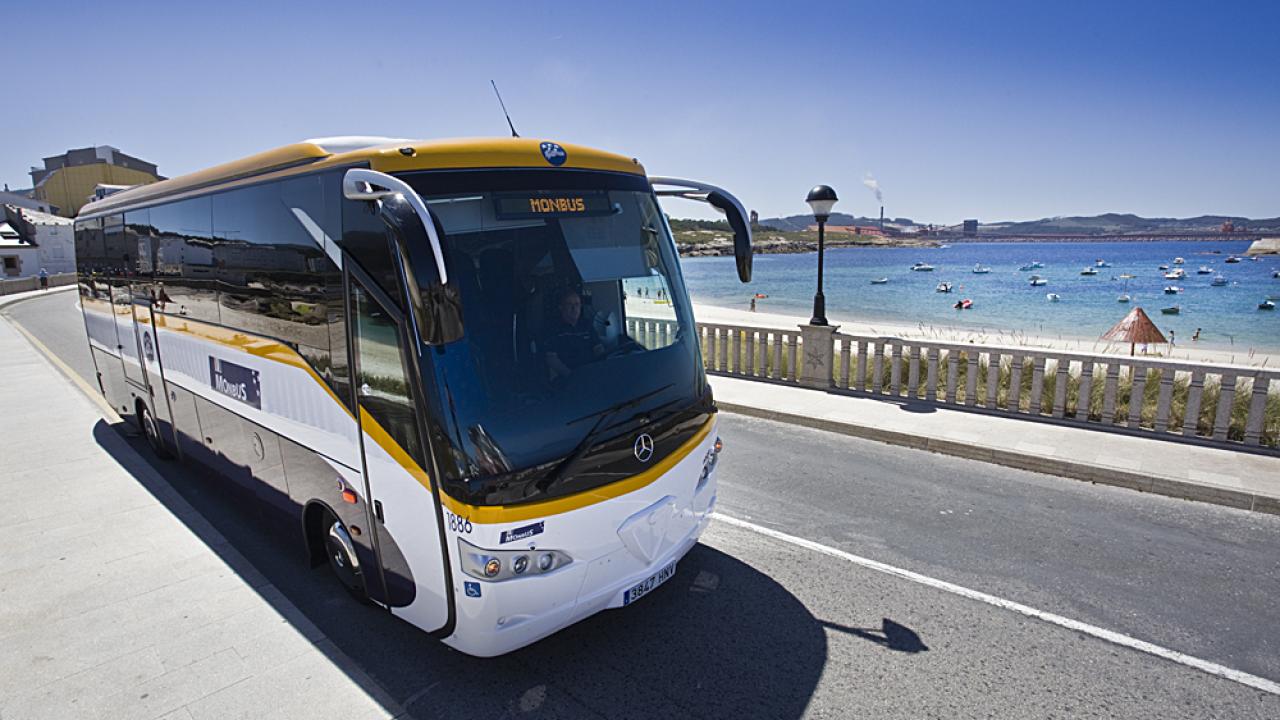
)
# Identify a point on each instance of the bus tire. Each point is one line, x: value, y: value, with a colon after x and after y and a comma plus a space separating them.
x: 343, y: 561
x: 151, y: 431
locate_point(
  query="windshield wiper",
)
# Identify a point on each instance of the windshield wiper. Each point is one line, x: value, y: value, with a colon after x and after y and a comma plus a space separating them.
x: 562, y: 469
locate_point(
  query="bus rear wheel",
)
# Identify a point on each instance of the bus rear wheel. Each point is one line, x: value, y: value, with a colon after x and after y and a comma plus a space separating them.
x: 343, y: 561
x: 151, y: 430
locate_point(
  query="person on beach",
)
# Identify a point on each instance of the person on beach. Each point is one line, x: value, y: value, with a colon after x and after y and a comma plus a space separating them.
x: 1171, y: 338
x: 44, y: 279
x: 753, y: 303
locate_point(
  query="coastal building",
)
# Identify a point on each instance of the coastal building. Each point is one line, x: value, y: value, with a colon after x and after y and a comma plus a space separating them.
x: 851, y: 229
x: 31, y: 240
x: 69, y: 180
x: 970, y: 228
x: 22, y: 198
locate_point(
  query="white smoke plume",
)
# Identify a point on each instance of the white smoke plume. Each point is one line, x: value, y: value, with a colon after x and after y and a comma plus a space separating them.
x: 874, y: 186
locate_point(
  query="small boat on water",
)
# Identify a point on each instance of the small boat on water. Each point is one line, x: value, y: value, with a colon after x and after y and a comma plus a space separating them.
x: 1204, y: 270
x: 1219, y: 281
x: 1101, y: 263
x: 1267, y: 305
x: 1053, y: 297
x: 978, y: 269
x: 1175, y: 274
x: 965, y: 304
x: 1275, y: 273
x: 943, y: 287
x: 1127, y: 276
x: 1089, y: 271
x: 1037, y: 281
x: 879, y: 281
x: 1036, y: 264
x: 922, y: 267
x: 1232, y: 259
x: 1178, y: 261
x: 1172, y: 289
x: 1124, y: 298
x: 1176, y: 309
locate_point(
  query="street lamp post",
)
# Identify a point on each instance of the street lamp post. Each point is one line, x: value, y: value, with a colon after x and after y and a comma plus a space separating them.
x: 821, y: 199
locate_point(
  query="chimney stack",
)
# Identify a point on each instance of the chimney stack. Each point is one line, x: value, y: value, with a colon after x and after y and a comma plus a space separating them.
x: 881, y: 219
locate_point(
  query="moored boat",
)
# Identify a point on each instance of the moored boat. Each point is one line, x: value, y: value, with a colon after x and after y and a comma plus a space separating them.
x: 922, y: 267
x: 1089, y: 271
x: 1101, y: 263
x: 943, y: 287
x: 1178, y: 261
x: 1232, y: 259
x: 1124, y: 298
x: 1172, y: 289
x: 978, y: 269
x: 1052, y: 297
x: 1176, y: 309
x: 1037, y: 281
x: 1267, y: 305
x: 879, y: 281
x: 1204, y: 270
x: 1218, y: 281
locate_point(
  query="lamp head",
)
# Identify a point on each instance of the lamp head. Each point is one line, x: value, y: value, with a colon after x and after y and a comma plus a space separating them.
x: 821, y: 199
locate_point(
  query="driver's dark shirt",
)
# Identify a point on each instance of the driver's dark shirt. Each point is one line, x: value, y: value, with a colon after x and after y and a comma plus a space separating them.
x: 573, y: 344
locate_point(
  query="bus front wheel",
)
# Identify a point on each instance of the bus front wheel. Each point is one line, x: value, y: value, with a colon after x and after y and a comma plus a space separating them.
x: 343, y: 560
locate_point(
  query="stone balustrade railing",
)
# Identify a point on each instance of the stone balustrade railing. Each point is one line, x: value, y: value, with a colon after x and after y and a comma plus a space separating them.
x: 1226, y: 405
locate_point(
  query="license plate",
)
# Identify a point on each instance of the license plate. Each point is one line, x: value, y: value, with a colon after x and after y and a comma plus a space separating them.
x: 647, y: 585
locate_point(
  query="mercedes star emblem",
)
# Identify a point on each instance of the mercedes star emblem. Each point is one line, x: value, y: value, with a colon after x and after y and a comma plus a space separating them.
x: 644, y: 447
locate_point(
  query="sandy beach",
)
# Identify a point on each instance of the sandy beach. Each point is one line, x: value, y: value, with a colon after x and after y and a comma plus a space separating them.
x: 1184, y: 350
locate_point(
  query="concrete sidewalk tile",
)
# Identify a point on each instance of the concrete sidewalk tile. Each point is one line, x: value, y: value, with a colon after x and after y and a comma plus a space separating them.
x: 291, y: 690
x: 72, y: 696
x: 173, y: 690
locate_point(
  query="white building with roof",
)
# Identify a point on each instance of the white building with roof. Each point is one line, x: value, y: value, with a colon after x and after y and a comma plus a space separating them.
x: 31, y: 240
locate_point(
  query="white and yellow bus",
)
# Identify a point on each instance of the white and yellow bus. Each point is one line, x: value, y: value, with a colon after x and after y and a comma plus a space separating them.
x: 469, y: 368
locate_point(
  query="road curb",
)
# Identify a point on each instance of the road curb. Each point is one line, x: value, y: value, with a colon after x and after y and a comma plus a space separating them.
x: 1100, y: 475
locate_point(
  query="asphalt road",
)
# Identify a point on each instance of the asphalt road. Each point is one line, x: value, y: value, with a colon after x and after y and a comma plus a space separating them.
x: 755, y: 627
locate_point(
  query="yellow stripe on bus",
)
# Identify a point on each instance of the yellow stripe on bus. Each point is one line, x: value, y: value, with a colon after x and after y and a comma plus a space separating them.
x: 486, y: 514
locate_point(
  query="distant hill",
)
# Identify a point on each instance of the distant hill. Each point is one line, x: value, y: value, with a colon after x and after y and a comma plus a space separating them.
x: 1120, y: 224
x: 1106, y: 224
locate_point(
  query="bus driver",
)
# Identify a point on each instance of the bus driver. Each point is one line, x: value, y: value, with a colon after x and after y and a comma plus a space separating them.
x: 573, y: 341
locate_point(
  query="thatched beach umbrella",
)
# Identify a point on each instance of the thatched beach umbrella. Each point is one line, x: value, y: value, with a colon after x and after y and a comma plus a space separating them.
x: 1135, y: 328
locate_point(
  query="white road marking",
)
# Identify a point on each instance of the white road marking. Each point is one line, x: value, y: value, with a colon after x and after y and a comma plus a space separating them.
x: 1110, y: 636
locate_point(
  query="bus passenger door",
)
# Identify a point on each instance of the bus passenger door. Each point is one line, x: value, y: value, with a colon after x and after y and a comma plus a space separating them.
x: 126, y: 322
x: 399, y: 494
x: 145, y: 322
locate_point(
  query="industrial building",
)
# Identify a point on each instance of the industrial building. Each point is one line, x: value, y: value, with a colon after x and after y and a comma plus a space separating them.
x: 69, y: 180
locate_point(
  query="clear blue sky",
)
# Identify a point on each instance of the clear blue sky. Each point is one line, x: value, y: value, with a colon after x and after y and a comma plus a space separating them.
x: 960, y: 109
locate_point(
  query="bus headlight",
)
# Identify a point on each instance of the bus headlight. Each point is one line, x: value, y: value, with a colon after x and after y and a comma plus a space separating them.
x: 499, y: 565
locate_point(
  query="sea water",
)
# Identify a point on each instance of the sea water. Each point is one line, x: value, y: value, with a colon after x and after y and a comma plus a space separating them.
x: 1004, y: 300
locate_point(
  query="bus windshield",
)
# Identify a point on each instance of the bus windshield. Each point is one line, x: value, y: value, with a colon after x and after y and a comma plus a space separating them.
x: 577, y: 332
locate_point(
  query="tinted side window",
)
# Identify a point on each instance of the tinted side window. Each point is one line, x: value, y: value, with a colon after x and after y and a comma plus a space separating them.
x: 184, y: 268
x: 141, y: 243
x: 365, y: 237
x: 274, y: 277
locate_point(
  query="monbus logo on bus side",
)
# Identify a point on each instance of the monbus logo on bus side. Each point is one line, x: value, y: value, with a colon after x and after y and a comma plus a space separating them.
x: 553, y: 153
x: 236, y: 381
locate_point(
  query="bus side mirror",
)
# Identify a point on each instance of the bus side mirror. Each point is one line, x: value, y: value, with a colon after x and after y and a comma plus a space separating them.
x: 722, y: 201
x: 741, y: 231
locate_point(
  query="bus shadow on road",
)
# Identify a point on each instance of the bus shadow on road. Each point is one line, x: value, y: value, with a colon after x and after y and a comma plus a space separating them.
x: 720, y: 639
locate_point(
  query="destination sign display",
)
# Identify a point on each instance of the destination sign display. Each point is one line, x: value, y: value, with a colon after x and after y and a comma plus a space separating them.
x: 522, y: 206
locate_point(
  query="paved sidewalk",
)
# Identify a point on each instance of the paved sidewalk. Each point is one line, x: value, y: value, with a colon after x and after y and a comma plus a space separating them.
x: 1224, y: 477
x: 118, y: 600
